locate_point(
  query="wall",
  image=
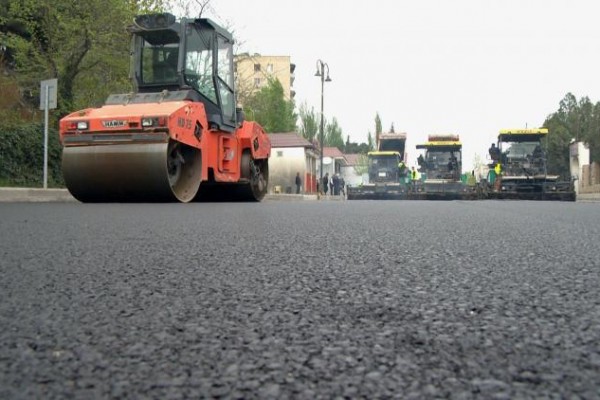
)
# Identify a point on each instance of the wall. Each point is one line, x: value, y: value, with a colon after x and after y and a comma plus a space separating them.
x: 589, y: 181
x: 579, y: 158
x: 284, y: 163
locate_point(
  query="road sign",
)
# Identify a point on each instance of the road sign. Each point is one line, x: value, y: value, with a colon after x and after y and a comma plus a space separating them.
x: 48, y: 88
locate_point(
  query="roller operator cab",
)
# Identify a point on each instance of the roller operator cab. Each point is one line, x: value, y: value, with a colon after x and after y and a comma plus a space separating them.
x: 518, y: 168
x: 179, y: 135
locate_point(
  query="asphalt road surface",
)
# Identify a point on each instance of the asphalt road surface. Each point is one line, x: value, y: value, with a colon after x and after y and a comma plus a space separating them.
x: 307, y: 300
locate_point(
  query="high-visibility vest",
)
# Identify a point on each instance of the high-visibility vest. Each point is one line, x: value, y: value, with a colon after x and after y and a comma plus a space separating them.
x: 498, y: 169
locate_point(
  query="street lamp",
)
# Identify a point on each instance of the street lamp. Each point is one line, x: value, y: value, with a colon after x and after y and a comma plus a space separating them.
x: 321, y: 66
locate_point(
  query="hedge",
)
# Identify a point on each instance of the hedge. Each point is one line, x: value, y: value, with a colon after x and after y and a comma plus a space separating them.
x: 22, y: 156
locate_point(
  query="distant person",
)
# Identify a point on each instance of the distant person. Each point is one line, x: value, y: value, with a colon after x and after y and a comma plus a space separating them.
x: 331, y: 186
x: 453, y: 163
x: 498, y: 181
x: 298, y: 182
x: 401, y: 169
x: 342, y: 186
x: 325, y: 183
x: 494, y: 152
x: 421, y: 161
x: 498, y: 169
x: 336, y: 185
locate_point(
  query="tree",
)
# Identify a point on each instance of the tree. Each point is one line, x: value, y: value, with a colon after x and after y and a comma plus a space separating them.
x: 309, y: 123
x: 362, y: 165
x: 378, y: 129
x: 355, y: 148
x: 333, y: 134
x: 269, y: 108
x: 574, y: 120
x: 191, y: 9
x: 84, y: 44
x: 592, y: 136
x: 370, y: 142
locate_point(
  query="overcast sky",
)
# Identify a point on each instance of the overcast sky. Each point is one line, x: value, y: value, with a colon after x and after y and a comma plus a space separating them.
x: 468, y: 67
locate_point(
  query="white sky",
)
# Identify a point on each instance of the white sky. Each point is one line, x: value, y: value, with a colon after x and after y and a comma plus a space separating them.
x: 469, y: 67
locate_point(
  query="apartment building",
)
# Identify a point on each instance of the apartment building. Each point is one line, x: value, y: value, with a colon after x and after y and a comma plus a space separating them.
x: 253, y: 72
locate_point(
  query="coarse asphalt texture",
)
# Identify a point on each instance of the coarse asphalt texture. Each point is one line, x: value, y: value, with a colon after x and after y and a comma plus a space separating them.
x: 307, y: 300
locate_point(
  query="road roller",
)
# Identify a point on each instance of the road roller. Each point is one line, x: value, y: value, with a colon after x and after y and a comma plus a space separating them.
x: 179, y: 136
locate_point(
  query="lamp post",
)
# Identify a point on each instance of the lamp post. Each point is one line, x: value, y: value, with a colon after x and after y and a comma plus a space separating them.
x: 321, y: 66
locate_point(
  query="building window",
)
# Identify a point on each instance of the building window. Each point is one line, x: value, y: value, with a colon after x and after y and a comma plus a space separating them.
x: 279, y: 153
x: 256, y: 82
x: 256, y: 67
x: 270, y: 68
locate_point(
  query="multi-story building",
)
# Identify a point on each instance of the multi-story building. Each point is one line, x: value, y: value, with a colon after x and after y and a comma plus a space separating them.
x: 253, y: 72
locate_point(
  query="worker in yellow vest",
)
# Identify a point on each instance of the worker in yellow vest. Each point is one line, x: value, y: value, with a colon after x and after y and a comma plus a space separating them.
x: 413, y: 174
x: 498, y: 181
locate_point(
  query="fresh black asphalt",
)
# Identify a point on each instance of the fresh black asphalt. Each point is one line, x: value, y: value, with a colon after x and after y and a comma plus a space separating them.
x: 306, y: 300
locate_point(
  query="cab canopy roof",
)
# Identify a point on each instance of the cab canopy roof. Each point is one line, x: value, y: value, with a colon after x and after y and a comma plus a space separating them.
x: 383, y: 153
x: 522, y: 135
x: 443, y: 138
x: 444, y: 141
x: 440, y: 145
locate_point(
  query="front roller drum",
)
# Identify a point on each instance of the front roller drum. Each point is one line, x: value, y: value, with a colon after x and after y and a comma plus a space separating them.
x: 148, y: 172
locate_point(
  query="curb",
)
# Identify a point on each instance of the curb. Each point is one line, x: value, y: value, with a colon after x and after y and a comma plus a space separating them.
x: 34, y: 195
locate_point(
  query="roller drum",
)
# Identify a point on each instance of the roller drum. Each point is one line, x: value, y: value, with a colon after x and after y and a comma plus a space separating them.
x: 149, y: 172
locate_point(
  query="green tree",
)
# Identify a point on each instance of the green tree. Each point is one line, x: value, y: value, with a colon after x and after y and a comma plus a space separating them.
x: 269, y: 108
x: 83, y: 44
x: 333, y: 134
x: 592, y: 136
x: 362, y: 165
x: 309, y: 122
x: 577, y: 120
x: 355, y: 148
x: 370, y: 141
x: 378, y: 129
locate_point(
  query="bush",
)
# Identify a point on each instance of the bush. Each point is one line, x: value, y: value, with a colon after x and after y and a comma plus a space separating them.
x: 22, y: 156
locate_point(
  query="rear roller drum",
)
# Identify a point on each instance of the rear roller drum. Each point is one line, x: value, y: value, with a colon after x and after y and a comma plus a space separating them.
x: 257, y: 174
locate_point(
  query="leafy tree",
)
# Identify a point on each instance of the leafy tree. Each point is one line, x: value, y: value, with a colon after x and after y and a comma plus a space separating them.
x: 378, y: 129
x: 574, y: 120
x: 355, y: 148
x: 309, y: 122
x: 592, y: 136
x: 370, y: 141
x: 269, y: 108
x: 362, y: 165
x: 84, y: 44
x: 191, y: 8
x: 333, y: 134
